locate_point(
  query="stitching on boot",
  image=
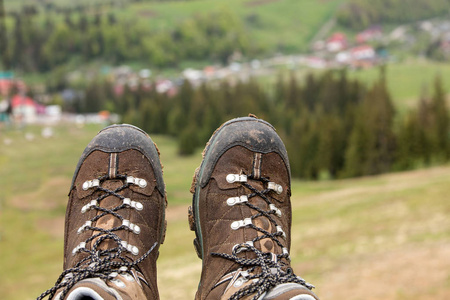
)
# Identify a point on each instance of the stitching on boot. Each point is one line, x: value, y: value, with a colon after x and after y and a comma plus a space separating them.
x: 113, y: 163
x: 257, y: 159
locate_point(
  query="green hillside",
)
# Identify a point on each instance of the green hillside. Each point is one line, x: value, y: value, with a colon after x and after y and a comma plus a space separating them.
x: 157, y: 34
x: 274, y: 24
x: 384, y: 237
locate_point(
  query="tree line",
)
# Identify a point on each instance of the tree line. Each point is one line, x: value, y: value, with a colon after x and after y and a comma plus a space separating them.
x: 42, y: 38
x: 40, y: 43
x: 360, y: 14
x: 332, y: 126
x: 51, y: 6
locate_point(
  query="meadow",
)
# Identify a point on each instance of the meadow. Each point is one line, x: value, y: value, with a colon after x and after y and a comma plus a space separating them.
x: 408, y: 80
x: 381, y: 237
x: 286, y: 24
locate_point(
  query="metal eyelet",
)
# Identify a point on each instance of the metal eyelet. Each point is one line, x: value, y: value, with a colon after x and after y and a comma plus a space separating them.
x: 275, y: 187
x: 130, y: 248
x: 275, y: 209
x: 80, y: 246
x: 237, y: 200
x: 138, y: 206
x: 90, y: 183
x: 83, y: 227
x: 279, y: 229
x: 241, y: 223
x: 142, y: 183
x: 231, y: 178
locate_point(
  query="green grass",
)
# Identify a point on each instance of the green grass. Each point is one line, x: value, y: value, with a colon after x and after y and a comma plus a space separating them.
x: 348, y: 236
x: 279, y: 24
x: 408, y: 80
x: 276, y: 25
x: 178, y: 170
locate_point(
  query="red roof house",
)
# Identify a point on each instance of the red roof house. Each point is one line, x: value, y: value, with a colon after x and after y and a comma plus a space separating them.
x: 372, y: 34
x: 7, y: 85
x: 24, y: 109
x: 337, y: 42
x: 364, y: 52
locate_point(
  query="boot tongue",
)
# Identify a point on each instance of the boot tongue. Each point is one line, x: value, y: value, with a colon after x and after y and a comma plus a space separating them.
x: 109, y: 221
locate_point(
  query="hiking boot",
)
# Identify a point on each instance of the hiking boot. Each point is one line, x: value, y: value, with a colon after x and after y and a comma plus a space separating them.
x: 115, y: 219
x: 241, y: 215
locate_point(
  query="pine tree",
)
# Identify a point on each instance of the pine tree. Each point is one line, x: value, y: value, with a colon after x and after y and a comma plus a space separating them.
x: 441, y: 121
x: 332, y: 141
x: 372, y: 142
x: 356, y: 153
x: 425, y: 137
x: 408, y: 143
x: 380, y: 113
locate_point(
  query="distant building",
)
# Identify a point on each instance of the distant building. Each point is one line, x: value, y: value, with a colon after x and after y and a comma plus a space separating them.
x: 4, y: 110
x: 7, y: 86
x: 315, y: 62
x: 398, y: 34
x: 372, y: 34
x: 364, y: 52
x: 337, y: 42
x: 193, y: 75
x: 24, y: 109
x: 209, y: 71
x: 359, y: 57
x: 164, y: 86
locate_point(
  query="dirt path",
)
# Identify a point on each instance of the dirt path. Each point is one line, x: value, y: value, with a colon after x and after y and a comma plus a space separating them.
x: 324, y: 31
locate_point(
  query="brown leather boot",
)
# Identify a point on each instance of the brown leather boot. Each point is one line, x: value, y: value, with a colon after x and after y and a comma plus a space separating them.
x: 115, y: 219
x: 241, y: 215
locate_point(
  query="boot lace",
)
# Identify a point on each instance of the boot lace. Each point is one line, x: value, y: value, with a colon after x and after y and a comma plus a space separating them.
x: 273, y: 269
x: 104, y: 264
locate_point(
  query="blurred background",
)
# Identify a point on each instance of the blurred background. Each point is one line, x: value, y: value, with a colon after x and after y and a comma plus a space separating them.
x: 357, y: 89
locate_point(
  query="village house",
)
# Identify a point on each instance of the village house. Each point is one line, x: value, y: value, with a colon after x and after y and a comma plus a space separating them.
x: 24, y: 109
x: 7, y: 86
x: 374, y: 33
x: 337, y: 42
x: 358, y: 57
x: 315, y: 62
x: 363, y: 52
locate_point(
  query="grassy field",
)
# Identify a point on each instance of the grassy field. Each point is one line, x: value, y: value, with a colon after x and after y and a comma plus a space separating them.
x: 383, y: 237
x: 407, y: 80
x: 289, y: 24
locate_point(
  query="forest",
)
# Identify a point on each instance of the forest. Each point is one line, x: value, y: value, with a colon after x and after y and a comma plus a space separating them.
x: 37, y: 44
x: 333, y: 127
x: 360, y: 14
x: 41, y: 38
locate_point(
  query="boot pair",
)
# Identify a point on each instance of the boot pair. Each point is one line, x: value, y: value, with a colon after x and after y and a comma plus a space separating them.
x: 241, y: 215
